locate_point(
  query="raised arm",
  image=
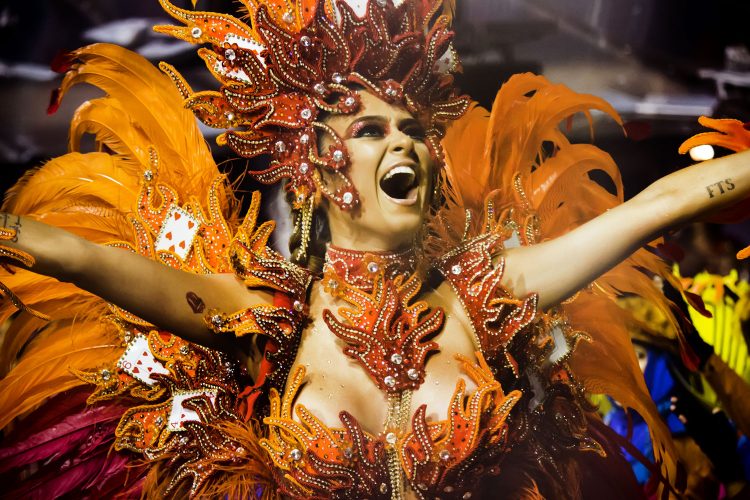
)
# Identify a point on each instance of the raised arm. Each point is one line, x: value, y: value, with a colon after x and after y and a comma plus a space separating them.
x: 168, y: 298
x: 556, y: 269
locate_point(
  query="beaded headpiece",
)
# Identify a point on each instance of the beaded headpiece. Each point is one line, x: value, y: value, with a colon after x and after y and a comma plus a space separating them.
x: 297, y: 61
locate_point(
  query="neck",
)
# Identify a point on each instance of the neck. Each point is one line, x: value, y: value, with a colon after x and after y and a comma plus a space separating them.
x: 359, y: 267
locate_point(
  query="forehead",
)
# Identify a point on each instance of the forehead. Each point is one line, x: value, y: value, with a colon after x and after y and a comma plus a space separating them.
x: 371, y: 106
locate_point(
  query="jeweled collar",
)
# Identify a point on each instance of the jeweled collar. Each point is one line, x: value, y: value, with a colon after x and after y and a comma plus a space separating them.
x: 358, y: 267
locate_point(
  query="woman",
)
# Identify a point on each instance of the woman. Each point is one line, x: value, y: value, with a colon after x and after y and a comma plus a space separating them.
x: 420, y: 364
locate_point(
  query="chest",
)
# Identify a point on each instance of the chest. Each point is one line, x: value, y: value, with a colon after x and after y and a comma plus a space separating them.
x: 336, y: 381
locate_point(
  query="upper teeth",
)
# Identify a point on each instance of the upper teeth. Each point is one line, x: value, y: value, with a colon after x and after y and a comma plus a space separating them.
x: 401, y: 169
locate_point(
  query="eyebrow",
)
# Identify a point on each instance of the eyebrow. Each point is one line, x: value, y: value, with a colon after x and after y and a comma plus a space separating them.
x: 406, y: 121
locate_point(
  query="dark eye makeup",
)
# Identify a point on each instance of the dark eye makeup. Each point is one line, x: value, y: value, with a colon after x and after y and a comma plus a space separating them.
x: 367, y: 128
x: 376, y: 128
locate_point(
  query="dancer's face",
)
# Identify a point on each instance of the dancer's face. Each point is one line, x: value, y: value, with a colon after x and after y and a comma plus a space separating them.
x: 391, y: 168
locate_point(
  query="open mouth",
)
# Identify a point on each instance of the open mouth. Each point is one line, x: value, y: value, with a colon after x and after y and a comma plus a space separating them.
x: 401, y: 185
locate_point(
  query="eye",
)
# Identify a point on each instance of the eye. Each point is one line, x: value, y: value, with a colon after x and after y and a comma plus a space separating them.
x: 368, y: 130
x: 415, y: 132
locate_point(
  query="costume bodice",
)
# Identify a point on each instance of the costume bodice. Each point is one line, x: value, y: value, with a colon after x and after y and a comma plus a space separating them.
x: 349, y: 424
x: 334, y: 381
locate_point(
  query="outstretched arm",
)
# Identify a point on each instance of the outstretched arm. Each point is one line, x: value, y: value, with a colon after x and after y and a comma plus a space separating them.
x: 556, y: 269
x: 171, y: 299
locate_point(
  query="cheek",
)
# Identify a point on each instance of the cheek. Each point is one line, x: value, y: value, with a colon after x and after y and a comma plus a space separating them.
x: 428, y: 166
x: 365, y: 158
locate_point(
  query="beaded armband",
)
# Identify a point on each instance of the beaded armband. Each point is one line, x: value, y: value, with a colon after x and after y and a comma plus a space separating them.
x: 8, y: 257
x: 12, y: 254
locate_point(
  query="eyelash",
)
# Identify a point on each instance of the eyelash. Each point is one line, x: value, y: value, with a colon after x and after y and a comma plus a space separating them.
x: 368, y: 130
x: 377, y: 130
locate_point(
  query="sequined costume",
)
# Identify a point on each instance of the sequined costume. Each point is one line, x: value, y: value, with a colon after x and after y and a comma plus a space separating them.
x: 195, y: 421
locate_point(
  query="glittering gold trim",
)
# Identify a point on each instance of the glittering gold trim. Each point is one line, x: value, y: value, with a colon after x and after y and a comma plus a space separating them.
x: 8, y: 234
x: 24, y: 258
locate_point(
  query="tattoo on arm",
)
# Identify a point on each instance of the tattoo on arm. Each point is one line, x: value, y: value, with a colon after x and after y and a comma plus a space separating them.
x: 196, y: 303
x: 719, y: 188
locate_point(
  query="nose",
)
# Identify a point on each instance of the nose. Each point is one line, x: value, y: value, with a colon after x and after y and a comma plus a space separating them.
x: 401, y: 142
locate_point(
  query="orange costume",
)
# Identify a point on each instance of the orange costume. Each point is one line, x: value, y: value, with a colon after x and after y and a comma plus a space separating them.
x: 183, y: 418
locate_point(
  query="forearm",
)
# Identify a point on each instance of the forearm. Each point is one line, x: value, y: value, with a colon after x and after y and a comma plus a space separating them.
x: 173, y: 300
x: 556, y: 269
x: 701, y: 190
x: 55, y: 252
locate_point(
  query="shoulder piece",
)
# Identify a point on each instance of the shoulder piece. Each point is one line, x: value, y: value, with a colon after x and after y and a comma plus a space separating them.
x: 260, y: 266
x: 496, y: 316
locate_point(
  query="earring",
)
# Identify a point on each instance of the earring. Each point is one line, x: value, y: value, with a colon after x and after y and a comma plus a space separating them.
x: 305, y: 226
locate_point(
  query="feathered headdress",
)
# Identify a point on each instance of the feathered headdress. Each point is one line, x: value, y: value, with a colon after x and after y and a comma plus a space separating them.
x: 296, y: 62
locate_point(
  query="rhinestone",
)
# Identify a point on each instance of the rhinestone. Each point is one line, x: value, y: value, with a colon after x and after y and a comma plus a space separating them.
x: 445, y: 455
x: 383, y: 488
x: 298, y: 306
x: 106, y: 374
x: 159, y: 421
x: 229, y: 115
x: 217, y: 320
x: 448, y: 489
x: 412, y: 374
x: 338, y: 155
x: 305, y: 41
x: 456, y: 269
x: 280, y: 146
x: 288, y: 17
x: 333, y: 284
x: 303, y: 168
x: 229, y: 54
x: 389, y: 381
x: 373, y: 267
x: 184, y: 440
x: 382, y: 3
x: 349, y: 101
x: 396, y: 358
x: 391, y: 92
x: 196, y: 32
x: 348, y: 452
x: 295, y: 454
x: 148, y: 175
x: 304, y: 139
x: 348, y: 197
x: 300, y: 198
x: 467, y: 495
x: 184, y: 350
x: 319, y: 88
x: 422, y: 486
x: 306, y: 114
x: 337, y: 78
x: 391, y: 438
x: 127, y: 338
